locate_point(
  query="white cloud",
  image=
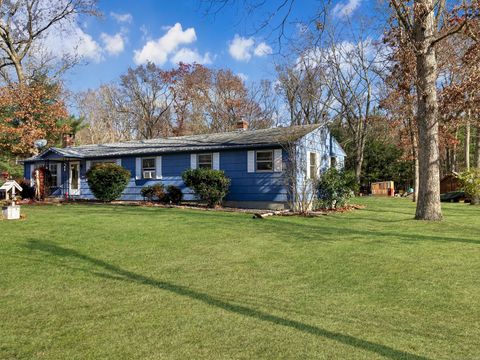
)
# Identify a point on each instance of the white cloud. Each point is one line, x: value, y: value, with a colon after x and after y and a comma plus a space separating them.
x: 189, y: 56
x: 73, y: 42
x: 113, y: 44
x: 122, y: 18
x: 242, y: 49
x: 159, y: 50
x: 344, y: 9
x: 263, y: 49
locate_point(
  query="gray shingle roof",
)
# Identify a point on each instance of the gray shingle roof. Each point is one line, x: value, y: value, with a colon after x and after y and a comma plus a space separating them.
x: 217, y: 141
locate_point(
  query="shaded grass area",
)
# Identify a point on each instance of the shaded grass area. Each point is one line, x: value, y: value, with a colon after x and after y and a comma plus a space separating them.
x: 89, y: 282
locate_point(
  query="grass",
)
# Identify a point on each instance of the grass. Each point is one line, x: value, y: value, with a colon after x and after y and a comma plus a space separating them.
x: 97, y: 282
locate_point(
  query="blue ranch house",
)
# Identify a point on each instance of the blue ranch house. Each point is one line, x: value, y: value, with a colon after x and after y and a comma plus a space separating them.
x: 256, y: 161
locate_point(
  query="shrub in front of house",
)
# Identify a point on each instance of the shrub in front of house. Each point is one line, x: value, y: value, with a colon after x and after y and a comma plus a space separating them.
x: 334, y: 189
x: 470, y: 182
x: 210, y: 185
x: 107, y: 181
x: 153, y: 192
x: 174, y: 195
x: 28, y: 192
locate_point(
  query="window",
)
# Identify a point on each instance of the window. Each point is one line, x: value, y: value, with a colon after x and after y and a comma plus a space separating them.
x: 313, y: 165
x: 264, y: 160
x: 148, y: 168
x: 333, y: 161
x: 205, y: 161
x: 53, y: 173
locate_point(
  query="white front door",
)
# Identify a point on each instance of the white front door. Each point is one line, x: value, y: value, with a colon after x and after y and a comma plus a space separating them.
x: 74, y: 179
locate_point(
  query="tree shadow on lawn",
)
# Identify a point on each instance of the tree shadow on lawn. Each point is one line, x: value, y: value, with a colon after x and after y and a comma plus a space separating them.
x: 118, y: 273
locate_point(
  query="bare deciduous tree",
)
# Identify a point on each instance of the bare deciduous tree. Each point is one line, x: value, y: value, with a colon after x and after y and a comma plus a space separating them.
x: 145, y: 96
x: 25, y: 22
x: 103, y: 122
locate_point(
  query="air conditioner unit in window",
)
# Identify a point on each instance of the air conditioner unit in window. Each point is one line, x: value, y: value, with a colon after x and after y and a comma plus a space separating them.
x: 148, y: 174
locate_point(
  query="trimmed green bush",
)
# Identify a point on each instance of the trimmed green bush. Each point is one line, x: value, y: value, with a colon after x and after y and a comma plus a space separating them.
x: 152, y: 192
x: 107, y: 181
x: 210, y: 185
x: 334, y: 189
x: 174, y: 195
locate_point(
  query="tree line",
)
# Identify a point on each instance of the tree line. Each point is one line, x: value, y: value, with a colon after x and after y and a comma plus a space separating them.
x: 149, y: 102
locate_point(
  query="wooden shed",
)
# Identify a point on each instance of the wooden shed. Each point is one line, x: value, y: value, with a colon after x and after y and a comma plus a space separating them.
x: 449, y: 183
x: 383, y: 188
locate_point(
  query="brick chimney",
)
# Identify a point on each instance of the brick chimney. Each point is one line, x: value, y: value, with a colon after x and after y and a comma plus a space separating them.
x: 68, y: 140
x: 242, y: 125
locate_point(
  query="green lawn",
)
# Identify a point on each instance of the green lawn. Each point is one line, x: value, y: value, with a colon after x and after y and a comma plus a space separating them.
x: 97, y: 282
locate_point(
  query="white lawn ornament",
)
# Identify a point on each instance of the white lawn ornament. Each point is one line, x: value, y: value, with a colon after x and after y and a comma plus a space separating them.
x: 11, y: 212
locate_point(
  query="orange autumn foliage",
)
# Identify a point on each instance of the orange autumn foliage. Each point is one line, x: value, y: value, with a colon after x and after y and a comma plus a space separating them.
x: 29, y: 113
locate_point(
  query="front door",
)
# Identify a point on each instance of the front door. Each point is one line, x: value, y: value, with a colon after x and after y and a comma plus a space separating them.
x: 74, y: 182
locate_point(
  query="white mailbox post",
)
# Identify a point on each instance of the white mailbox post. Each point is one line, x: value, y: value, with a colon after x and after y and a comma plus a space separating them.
x: 11, y: 212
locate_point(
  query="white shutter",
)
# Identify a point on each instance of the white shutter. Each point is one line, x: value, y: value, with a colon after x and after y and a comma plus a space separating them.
x: 251, y: 161
x: 308, y: 164
x: 193, y: 161
x: 119, y: 162
x: 32, y: 169
x: 318, y: 163
x: 59, y: 175
x: 158, y: 167
x: 277, y: 160
x: 138, y: 168
x: 216, y: 161
x: 88, y: 165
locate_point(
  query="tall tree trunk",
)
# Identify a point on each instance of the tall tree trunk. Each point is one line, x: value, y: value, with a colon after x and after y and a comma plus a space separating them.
x: 359, y: 151
x: 477, y: 148
x: 454, y: 166
x: 467, y: 142
x: 413, y: 139
x: 417, y: 176
x: 428, y: 204
x: 18, y: 70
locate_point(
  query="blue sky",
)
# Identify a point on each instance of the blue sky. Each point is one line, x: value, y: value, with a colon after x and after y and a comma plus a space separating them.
x: 132, y: 32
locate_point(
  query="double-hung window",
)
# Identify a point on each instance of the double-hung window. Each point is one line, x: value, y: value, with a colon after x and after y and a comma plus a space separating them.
x: 148, y: 168
x: 333, y: 162
x: 264, y: 160
x: 313, y: 165
x: 205, y: 161
x: 53, y: 174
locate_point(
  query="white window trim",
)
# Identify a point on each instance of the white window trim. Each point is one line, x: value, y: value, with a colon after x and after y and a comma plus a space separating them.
x: 58, y: 174
x: 152, y: 171
x: 193, y: 161
x: 251, y: 161
x: 198, y: 159
x: 317, y: 164
x: 277, y: 160
x: 256, y: 161
x: 216, y: 161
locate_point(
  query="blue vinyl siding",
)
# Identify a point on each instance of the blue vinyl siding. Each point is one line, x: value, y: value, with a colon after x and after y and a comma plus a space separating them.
x: 26, y: 171
x: 264, y: 186
x: 245, y: 186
